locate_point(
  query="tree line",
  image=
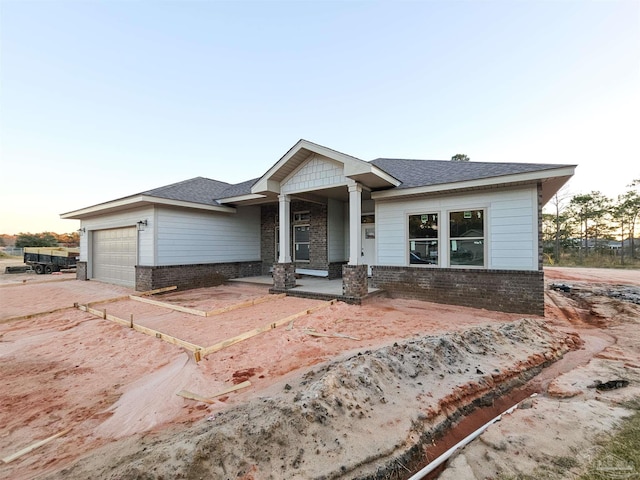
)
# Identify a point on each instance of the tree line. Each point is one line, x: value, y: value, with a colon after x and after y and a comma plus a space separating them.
x: 586, y: 227
x: 44, y: 239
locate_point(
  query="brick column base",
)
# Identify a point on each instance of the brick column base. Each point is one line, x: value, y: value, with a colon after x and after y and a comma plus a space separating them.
x: 354, y: 281
x: 284, y: 276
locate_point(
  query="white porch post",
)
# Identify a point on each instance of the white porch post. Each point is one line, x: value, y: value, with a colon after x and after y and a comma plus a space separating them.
x: 355, y: 218
x: 284, y: 215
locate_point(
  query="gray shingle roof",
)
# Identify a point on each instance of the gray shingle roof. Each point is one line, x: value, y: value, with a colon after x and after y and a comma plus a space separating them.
x: 412, y: 173
x: 421, y: 173
x: 196, y: 190
x: 238, y: 189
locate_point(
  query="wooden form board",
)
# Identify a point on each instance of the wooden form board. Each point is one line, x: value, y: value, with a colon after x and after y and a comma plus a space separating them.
x: 33, y: 446
x: 200, y: 398
x: 139, y: 294
x: 211, y: 313
x: 248, y: 303
x: 265, y: 328
x: 170, y: 306
x: 139, y: 328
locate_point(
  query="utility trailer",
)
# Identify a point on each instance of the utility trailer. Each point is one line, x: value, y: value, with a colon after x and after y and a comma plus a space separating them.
x: 50, y: 259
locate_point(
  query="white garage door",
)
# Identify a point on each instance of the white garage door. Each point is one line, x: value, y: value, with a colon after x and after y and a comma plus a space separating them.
x: 114, y: 256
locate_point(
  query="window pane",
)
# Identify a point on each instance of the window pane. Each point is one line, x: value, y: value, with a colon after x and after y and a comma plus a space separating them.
x: 423, y: 226
x: 302, y: 251
x: 469, y: 223
x: 423, y: 252
x: 466, y: 252
x: 301, y: 234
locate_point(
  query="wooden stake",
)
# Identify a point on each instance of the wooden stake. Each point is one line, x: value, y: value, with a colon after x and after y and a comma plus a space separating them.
x: 32, y: 447
x: 139, y: 328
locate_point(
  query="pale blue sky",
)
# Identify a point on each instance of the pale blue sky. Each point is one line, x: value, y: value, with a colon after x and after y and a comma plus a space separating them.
x: 99, y: 100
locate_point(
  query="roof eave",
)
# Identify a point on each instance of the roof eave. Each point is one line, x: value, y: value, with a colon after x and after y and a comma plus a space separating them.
x: 140, y: 201
x: 564, y: 172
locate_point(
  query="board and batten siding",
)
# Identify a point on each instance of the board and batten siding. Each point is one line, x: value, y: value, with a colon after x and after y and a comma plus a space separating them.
x: 194, y: 237
x: 335, y: 230
x: 128, y: 218
x: 511, y: 234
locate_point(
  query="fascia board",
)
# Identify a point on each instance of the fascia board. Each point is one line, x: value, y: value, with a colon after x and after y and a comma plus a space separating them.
x: 481, y: 182
x: 241, y: 198
x: 140, y: 200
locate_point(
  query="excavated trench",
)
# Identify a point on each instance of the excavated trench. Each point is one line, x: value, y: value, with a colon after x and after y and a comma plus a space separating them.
x: 377, y: 414
x: 578, y: 306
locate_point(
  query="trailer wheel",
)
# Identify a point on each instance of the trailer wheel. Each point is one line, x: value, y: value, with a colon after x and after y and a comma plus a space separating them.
x: 39, y: 269
x: 48, y: 269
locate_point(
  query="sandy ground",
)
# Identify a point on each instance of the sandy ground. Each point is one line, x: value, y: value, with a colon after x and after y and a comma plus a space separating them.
x: 114, y: 386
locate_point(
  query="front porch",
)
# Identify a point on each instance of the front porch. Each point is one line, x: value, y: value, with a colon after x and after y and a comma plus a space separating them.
x: 313, y: 287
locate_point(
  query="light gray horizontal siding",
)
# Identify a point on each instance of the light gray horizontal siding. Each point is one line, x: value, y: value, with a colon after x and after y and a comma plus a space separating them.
x: 128, y: 218
x: 191, y: 237
x: 511, y: 226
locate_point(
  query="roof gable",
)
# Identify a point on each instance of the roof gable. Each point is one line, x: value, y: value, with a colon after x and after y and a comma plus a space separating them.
x: 303, y: 150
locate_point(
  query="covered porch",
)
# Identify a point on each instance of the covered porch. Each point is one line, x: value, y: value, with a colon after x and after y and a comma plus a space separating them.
x: 315, y: 203
x: 313, y: 287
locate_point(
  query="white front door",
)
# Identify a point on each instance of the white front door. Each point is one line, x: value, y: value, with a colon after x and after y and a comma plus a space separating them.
x: 368, y: 245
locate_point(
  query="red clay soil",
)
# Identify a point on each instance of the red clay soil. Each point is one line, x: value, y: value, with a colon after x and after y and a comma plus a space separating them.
x: 72, y: 369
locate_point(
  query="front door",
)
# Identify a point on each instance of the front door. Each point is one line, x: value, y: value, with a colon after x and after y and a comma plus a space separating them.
x: 368, y: 245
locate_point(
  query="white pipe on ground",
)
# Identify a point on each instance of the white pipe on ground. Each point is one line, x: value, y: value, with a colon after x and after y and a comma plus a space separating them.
x: 468, y: 439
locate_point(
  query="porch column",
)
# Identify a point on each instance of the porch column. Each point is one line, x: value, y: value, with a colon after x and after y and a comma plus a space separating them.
x: 285, y: 228
x: 355, y: 219
x: 284, y: 272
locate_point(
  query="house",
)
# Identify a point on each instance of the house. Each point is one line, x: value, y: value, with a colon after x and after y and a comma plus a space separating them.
x: 466, y: 233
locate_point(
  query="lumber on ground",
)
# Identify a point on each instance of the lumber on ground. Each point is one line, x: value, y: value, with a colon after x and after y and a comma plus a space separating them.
x: 33, y: 446
x: 248, y: 303
x: 170, y: 306
x: 139, y: 328
x: 199, y: 398
x: 265, y: 328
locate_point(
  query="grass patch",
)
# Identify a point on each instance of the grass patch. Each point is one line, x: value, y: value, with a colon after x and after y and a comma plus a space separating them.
x: 620, y: 454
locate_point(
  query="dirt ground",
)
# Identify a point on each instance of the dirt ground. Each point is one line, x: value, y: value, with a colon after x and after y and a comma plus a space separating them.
x: 341, y: 405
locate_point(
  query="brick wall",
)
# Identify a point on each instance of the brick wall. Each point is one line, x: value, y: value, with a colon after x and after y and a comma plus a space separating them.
x: 317, y: 241
x: 81, y: 271
x: 193, y: 276
x: 502, y: 290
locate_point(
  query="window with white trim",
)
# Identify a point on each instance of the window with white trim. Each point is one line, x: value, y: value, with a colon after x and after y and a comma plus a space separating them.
x: 466, y: 238
x: 423, y: 239
x: 301, y: 243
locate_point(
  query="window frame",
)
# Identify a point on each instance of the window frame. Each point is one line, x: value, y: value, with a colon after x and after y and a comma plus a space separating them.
x: 295, y: 243
x: 483, y: 238
x: 437, y: 239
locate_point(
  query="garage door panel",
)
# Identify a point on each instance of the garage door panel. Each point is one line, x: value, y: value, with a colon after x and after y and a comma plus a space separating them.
x: 114, y: 256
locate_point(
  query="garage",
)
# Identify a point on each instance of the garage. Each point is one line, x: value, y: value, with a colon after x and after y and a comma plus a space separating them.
x: 114, y: 256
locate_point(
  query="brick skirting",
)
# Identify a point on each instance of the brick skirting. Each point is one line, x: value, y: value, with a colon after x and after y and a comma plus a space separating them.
x: 517, y: 291
x: 193, y: 276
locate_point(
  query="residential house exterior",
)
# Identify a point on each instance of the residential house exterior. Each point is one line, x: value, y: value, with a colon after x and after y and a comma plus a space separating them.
x: 466, y: 233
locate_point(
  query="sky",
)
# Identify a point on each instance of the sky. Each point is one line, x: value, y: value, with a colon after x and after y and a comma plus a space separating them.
x: 103, y: 99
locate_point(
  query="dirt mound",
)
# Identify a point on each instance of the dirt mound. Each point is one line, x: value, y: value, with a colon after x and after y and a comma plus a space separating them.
x: 357, y: 417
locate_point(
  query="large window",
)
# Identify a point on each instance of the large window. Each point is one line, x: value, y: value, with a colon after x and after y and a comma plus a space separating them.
x: 466, y: 238
x: 423, y: 239
x: 301, y: 243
